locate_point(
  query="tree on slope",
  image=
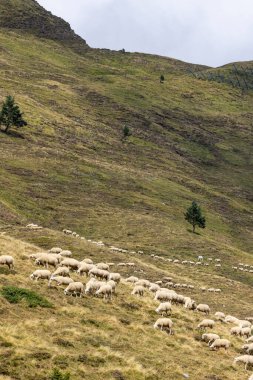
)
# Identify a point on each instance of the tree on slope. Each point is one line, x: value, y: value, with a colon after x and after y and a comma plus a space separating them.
x: 194, y: 216
x: 10, y: 115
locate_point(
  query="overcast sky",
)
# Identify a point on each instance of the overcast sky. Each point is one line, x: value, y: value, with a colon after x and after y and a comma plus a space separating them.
x: 211, y: 32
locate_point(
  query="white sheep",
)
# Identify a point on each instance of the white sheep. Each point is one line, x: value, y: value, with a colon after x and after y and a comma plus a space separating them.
x: 55, y: 250
x: 235, y: 330
x: 102, y: 266
x: 219, y: 316
x: 251, y: 377
x: 220, y: 343
x: 105, y: 291
x: 84, y: 268
x: 61, y: 271
x: 47, y: 260
x: 164, y: 324
x: 7, y: 260
x: 165, y: 295
x: 92, y: 286
x: 248, y: 348
x: 245, y: 332
x: 206, y: 323
x: 132, y: 279
x: 113, y: 285
x: 210, y: 338
x: 250, y: 339
x: 138, y: 290
x: 189, y: 303
x: 231, y: 319
x: 115, y: 277
x: 37, y: 255
x: 66, y: 253
x: 153, y: 288
x: 60, y: 280
x: 164, y: 308
x: 246, y: 359
x: 242, y: 323
x: 87, y: 261
x: 203, y: 308
x: 70, y: 263
x: 40, y: 274
x: 99, y: 273
x: 74, y: 288
x: 143, y: 282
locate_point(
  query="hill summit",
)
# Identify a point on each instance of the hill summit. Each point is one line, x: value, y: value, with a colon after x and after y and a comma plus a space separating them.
x: 29, y: 16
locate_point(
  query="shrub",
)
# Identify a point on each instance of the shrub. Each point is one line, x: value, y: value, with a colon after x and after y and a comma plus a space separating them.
x: 14, y: 294
x: 126, y: 131
x: 58, y: 375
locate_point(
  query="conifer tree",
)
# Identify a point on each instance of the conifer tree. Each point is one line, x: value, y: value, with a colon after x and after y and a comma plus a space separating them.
x: 194, y: 216
x: 10, y: 115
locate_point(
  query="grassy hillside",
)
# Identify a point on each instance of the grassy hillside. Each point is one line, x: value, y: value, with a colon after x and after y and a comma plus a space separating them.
x: 71, y: 168
x: 91, y: 338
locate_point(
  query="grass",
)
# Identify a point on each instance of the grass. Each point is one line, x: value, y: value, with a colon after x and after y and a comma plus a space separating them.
x: 16, y: 295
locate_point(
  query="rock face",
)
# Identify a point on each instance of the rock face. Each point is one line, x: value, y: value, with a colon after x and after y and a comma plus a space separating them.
x: 28, y: 16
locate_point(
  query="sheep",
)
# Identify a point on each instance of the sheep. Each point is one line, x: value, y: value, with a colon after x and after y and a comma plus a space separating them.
x: 164, y: 308
x: 164, y: 324
x: 250, y: 339
x: 206, y: 323
x: 189, y: 303
x: 55, y: 250
x: 245, y: 332
x: 70, y: 263
x: 231, y: 319
x: 61, y: 271
x: 115, y: 277
x: 87, y: 261
x: 153, y: 288
x: 105, y: 290
x: 219, y: 316
x: 248, y: 348
x: 74, y: 288
x: 7, y: 260
x: 66, y: 253
x: 92, y: 286
x: 84, y: 268
x: 210, y: 338
x: 242, y: 323
x: 40, y: 274
x: 220, y: 343
x: 235, y: 330
x: 60, y: 280
x: 143, y: 282
x: 246, y: 359
x: 113, y: 285
x: 251, y: 377
x: 99, y: 273
x: 138, y: 290
x: 203, y: 308
x: 132, y: 279
x: 164, y: 295
x: 102, y: 266
x: 47, y: 260
x: 37, y: 255
x: 67, y: 232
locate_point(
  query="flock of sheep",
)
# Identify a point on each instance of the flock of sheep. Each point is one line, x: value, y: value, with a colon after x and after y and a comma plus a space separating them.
x: 103, y: 283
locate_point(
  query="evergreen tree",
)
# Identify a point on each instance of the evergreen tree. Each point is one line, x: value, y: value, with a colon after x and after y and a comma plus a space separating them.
x: 126, y: 131
x: 194, y: 216
x: 11, y: 115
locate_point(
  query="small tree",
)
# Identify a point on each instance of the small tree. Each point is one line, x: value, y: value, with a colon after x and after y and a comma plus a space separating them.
x: 126, y: 131
x: 162, y: 79
x: 10, y: 115
x: 194, y: 216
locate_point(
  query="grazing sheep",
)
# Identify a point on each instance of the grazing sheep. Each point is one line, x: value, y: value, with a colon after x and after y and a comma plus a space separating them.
x: 105, y: 291
x: 164, y: 324
x: 246, y: 359
x: 235, y: 331
x: 40, y: 274
x: 242, y: 323
x: 87, y: 261
x: 132, y: 279
x: 37, y: 255
x: 92, y: 286
x: 250, y: 339
x: 61, y: 271
x: 113, y: 285
x: 74, y: 288
x: 203, y: 308
x: 115, y: 277
x: 245, y: 332
x: 47, y: 260
x: 99, y: 273
x: 164, y: 308
x: 84, y: 268
x: 55, y: 250
x: 143, y: 282
x: 66, y: 253
x: 7, y: 260
x: 210, y: 338
x: 190, y: 304
x: 206, y: 323
x: 248, y: 348
x: 60, y: 280
x: 219, y: 316
x: 220, y: 343
x: 70, y: 263
x: 138, y: 290
x: 231, y: 319
x: 154, y: 287
x: 102, y: 266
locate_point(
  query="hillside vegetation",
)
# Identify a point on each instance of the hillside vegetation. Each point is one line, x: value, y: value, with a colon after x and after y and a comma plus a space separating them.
x: 71, y: 167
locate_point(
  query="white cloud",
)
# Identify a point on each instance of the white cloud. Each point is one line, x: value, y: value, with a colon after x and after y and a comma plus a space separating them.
x: 212, y: 32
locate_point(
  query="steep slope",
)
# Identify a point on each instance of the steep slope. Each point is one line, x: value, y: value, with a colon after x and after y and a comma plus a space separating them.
x: 28, y: 16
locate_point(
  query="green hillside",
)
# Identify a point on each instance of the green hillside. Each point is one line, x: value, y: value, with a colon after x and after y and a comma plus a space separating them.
x: 71, y: 167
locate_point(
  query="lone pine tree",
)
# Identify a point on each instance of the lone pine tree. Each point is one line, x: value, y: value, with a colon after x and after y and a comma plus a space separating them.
x: 10, y: 115
x: 194, y: 216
